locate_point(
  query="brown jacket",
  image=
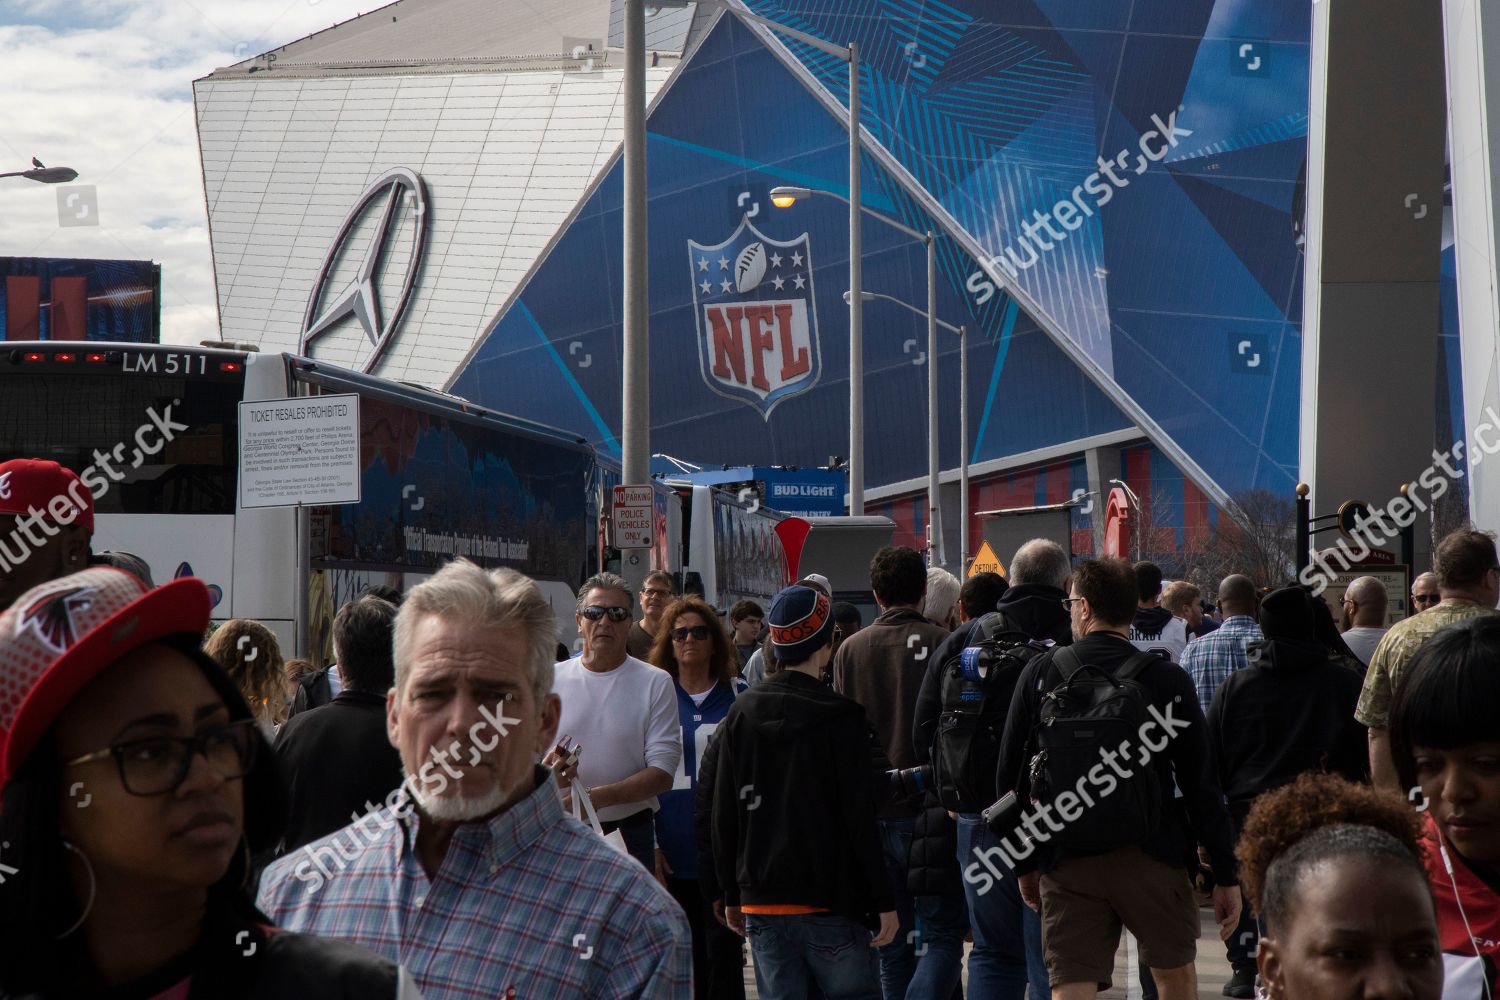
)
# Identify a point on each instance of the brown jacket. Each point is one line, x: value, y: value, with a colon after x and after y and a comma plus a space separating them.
x: 881, y: 667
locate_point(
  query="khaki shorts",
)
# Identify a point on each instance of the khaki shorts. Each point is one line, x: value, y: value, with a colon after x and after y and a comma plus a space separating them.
x: 1085, y: 902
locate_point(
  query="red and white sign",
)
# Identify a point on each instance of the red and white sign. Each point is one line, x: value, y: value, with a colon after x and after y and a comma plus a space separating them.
x: 632, y: 515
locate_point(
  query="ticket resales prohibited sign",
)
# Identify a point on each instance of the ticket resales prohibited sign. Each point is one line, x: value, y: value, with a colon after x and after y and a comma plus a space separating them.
x: 302, y: 451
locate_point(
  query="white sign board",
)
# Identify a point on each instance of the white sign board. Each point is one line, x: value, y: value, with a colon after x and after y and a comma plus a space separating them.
x: 1397, y: 593
x: 632, y: 514
x: 300, y: 451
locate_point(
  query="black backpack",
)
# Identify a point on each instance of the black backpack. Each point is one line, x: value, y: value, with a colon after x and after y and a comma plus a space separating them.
x: 1089, y: 712
x: 975, y: 689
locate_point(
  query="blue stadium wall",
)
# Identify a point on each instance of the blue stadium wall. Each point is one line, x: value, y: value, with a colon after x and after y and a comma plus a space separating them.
x: 1175, y: 304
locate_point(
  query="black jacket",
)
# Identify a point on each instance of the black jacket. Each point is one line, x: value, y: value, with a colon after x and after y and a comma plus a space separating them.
x: 1185, y: 759
x: 338, y: 763
x: 240, y: 956
x: 1034, y: 609
x: 793, y: 818
x: 1290, y: 709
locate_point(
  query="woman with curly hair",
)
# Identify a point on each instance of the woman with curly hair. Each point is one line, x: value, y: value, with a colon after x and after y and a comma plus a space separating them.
x: 1445, y: 743
x: 248, y: 652
x: 694, y: 648
x: 1333, y: 872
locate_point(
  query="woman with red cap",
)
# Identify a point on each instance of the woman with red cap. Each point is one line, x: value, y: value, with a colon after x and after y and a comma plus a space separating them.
x: 136, y: 789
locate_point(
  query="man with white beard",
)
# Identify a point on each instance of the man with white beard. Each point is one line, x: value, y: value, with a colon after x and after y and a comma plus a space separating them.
x: 475, y: 875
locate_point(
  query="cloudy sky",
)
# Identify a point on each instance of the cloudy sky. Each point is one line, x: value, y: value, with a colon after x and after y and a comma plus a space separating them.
x: 106, y: 87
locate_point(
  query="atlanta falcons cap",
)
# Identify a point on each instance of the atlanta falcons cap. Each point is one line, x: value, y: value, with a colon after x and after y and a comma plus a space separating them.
x: 31, y: 483
x: 62, y: 634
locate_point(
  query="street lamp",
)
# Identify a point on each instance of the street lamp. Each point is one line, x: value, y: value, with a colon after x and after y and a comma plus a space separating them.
x: 635, y: 134
x: 785, y: 197
x: 963, y: 421
x: 45, y: 175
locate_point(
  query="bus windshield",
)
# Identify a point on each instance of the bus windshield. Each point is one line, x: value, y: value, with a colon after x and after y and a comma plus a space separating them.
x: 163, y: 444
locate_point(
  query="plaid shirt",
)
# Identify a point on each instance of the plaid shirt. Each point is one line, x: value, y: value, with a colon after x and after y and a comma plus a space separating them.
x: 1211, y: 659
x: 530, y: 899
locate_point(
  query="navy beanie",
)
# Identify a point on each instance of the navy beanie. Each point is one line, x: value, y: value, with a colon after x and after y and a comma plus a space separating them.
x: 801, y: 621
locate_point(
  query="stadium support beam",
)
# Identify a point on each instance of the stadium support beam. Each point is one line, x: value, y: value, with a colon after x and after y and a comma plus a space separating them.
x: 1374, y: 226
x: 1473, y: 61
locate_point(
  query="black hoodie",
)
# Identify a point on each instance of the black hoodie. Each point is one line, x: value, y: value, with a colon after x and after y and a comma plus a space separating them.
x: 794, y: 802
x: 1289, y: 710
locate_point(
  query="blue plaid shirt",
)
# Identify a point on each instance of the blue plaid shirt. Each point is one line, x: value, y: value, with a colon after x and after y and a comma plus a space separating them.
x: 530, y: 899
x: 1211, y: 659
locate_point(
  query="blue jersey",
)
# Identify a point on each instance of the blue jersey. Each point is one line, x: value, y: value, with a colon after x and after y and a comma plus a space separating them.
x: 674, y: 821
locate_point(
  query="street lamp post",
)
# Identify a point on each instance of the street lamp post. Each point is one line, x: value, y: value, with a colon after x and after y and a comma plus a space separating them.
x: 634, y: 423
x: 963, y: 415
x: 45, y: 175
x: 784, y: 197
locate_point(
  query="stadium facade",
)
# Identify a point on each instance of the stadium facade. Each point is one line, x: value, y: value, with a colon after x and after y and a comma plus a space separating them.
x: 432, y: 192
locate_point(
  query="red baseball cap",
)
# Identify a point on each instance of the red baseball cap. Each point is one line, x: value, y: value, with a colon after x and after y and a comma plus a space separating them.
x: 32, y: 483
x: 62, y: 634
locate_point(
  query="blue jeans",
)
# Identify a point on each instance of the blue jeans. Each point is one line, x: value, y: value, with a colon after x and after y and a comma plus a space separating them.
x: 942, y: 921
x: 898, y: 960
x: 795, y: 953
x: 1007, y: 933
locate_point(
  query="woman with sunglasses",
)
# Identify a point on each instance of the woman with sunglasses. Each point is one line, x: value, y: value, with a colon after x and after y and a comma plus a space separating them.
x: 136, y: 788
x: 693, y: 647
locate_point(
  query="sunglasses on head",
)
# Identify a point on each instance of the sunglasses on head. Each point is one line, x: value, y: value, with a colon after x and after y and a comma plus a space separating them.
x: 699, y: 632
x: 594, y: 612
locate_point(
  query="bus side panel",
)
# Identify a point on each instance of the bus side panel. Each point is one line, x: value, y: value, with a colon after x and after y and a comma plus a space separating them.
x: 265, y: 566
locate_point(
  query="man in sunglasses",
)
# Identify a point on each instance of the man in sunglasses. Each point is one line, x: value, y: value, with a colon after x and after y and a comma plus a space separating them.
x: 623, y: 712
x: 1468, y: 578
x: 1424, y: 593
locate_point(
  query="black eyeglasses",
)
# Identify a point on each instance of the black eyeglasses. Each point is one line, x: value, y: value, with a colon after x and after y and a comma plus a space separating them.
x: 594, y: 612
x: 160, y: 765
x: 1068, y: 602
x: 699, y: 632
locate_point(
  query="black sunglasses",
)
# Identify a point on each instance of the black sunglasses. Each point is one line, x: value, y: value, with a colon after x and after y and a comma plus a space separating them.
x: 699, y: 632
x: 1426, y: 598
x: 594, y: 612
x: 160, y: 765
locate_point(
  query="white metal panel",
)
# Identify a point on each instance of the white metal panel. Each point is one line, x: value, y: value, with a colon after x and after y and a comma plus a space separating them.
x: 505, y: 157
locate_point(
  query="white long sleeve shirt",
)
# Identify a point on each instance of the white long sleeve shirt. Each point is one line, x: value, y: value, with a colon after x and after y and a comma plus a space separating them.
x: 625, y: 720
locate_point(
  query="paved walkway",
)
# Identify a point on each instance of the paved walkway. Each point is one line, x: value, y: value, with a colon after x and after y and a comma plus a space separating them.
x: 1213, y: 967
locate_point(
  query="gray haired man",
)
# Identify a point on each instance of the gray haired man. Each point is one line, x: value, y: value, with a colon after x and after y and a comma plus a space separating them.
x: 469, y: 874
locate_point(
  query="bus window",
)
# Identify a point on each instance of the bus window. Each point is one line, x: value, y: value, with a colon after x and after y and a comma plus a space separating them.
x: 68, y: 416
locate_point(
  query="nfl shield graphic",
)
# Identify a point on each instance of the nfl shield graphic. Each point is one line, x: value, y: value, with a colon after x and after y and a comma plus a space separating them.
x: 757, y: 328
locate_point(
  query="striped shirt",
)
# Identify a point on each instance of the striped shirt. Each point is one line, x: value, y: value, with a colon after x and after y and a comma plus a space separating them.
x: 1211, y: 659
x: 530, y: 898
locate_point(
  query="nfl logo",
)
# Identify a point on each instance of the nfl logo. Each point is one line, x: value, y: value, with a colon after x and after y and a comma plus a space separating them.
x: 757, y: 328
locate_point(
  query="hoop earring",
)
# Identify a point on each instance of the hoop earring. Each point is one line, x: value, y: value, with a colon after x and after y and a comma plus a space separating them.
x: 93, y: 890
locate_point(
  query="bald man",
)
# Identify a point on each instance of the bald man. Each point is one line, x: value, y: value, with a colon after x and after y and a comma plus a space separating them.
x: 1364, y: 617
x: 1211, y: 659
x: 1425, y: 593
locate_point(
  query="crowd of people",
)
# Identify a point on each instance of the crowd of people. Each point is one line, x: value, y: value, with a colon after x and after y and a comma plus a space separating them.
x: 1013, y: 768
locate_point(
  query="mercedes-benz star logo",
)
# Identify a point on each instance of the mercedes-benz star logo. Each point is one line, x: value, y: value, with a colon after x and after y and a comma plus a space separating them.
x: 360, y: 298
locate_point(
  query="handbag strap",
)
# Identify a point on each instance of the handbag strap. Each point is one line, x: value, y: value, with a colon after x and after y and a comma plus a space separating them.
x: 581, y: 797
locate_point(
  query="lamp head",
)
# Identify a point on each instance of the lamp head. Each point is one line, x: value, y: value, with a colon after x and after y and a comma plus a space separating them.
x: 786, y: 197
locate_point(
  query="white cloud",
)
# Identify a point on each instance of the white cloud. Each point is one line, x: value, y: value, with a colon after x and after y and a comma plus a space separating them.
x: 105, y: 87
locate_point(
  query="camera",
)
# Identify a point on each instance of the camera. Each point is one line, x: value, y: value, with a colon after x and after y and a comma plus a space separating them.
x: 1004, y: 817
x: 909, y: 781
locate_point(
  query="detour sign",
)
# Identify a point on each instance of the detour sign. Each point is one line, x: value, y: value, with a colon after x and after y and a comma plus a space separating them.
x: 985, y: 561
